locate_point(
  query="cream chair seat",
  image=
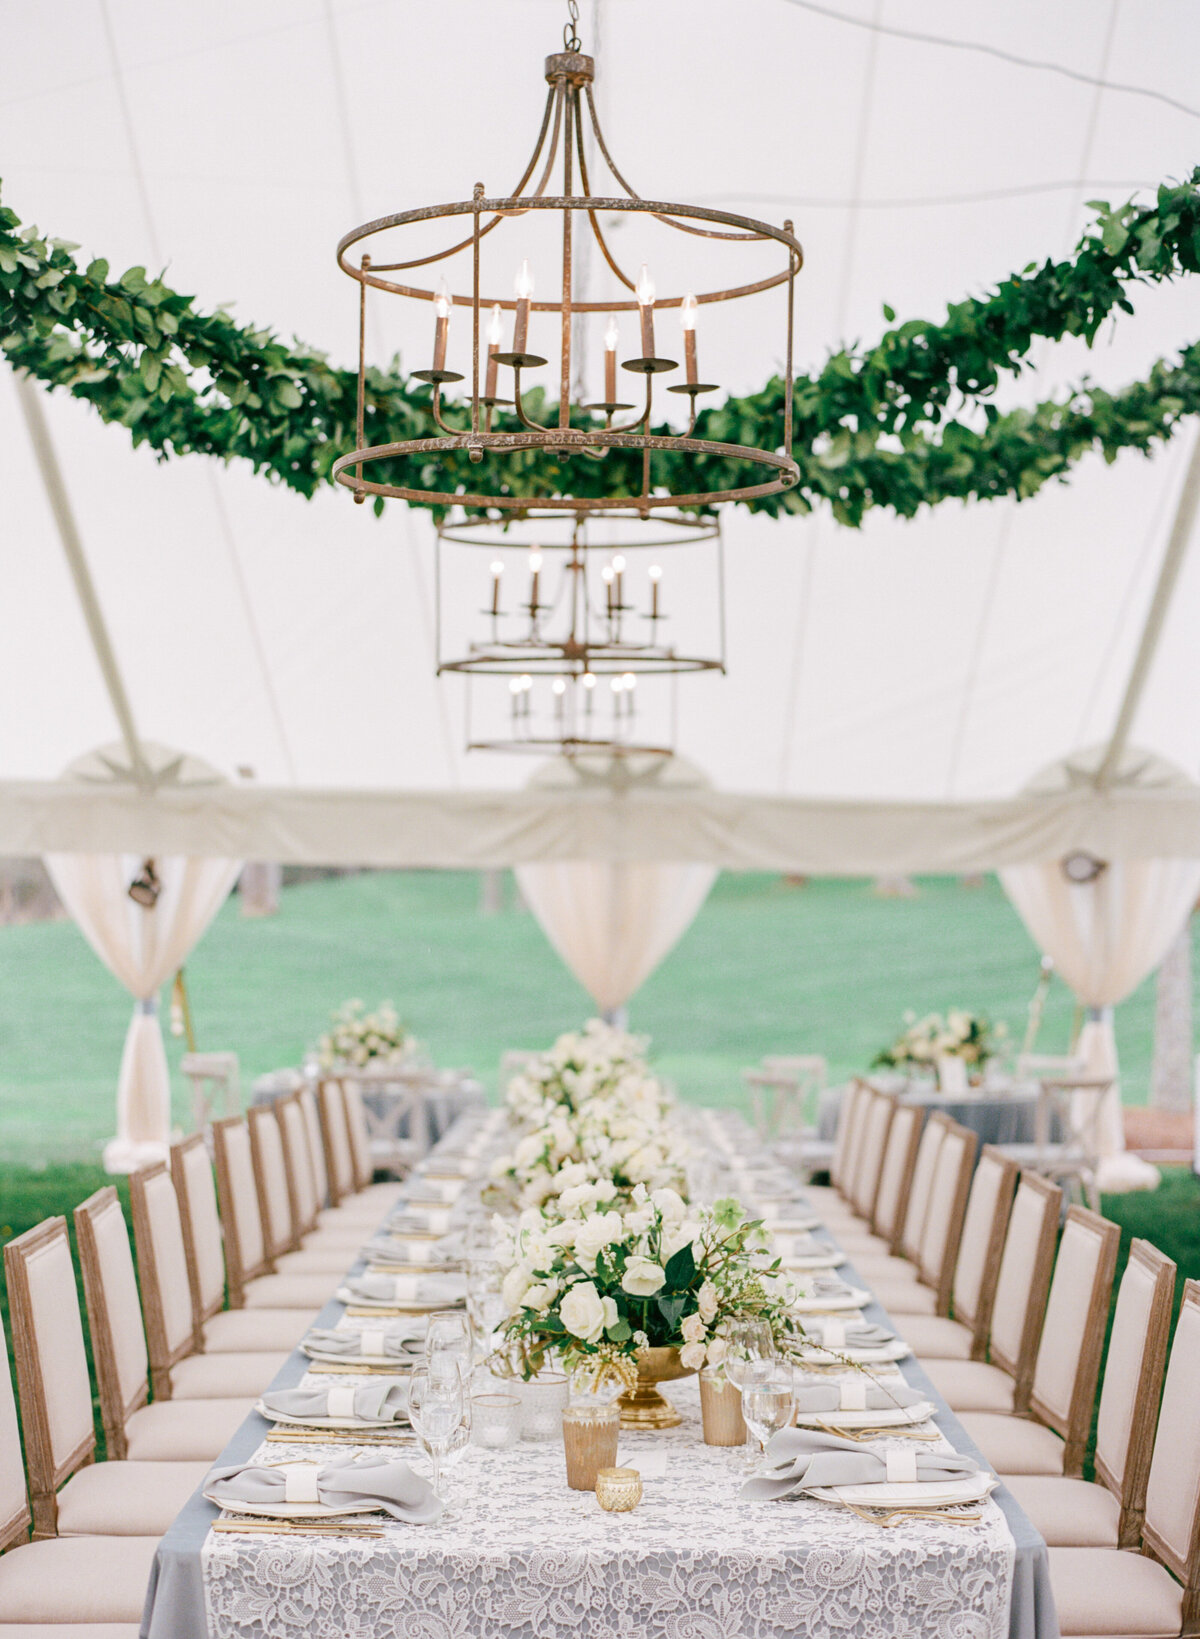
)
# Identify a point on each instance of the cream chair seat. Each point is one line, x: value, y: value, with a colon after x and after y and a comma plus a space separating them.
x: 127, y: 1499
x: 1068, y: 1513
x: 1015, y: 1445
x: 224, y: 1376
x: 971, y: 1385
x: 934, y: 1337
x: 903, y: 1297
x: 89, y: 1580
x: 248, y: 1331
x: 1108, y: 1591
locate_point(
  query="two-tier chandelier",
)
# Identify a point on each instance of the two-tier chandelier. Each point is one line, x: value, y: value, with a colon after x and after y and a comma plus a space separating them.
x: 500, y: 410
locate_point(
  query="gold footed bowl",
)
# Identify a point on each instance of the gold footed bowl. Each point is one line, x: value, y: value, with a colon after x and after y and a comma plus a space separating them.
x: 644, y: 1407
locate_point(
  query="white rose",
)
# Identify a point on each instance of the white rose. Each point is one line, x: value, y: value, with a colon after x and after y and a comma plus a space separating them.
x: 605, y: 1189
x: 501, y: 1165
x: 706, y: 1302
x: 691, y: 1356
x: 670, y: 1204
x: 611, y: 1312
x: 639, y: 1221
x: 582, y: 1312
x: 516, y: 1283
x: 644, y: 1163
x: 643, y: 1277
x: 570, y: 1177
x: 562, y: 1234
x: 528, y: 1151
x: 600, y: 1230
x: 717, y: 1350
x: 692, y: 1329
x: 675, y: 1238
x: 539, y: 1296
x: 581, y: 1195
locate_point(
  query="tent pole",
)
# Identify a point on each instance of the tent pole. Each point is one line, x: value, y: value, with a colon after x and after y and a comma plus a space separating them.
x: 68, y: 532
x: 1168, y: 575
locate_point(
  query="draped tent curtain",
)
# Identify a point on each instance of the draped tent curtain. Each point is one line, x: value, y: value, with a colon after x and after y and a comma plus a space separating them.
x: 1105, y: 936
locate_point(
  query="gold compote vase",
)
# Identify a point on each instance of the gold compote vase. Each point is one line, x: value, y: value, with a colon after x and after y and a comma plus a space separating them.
x: 644, y: 1407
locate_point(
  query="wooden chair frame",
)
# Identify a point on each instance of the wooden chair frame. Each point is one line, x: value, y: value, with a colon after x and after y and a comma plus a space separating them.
x: 310, y: 1108
x: 358, y: 1134
x: 202, y: 1310
x: 330, y: 1087
x: 1076, y: 1425
x: 843, y: 1131
x: 865, y: 1184
x: 1130, y: 1491
x: 256, y: 1117
x: 908, y: 1245
x: 162, y: 1356
x: 293, y: 1161
x: 895, y: 1234
x: 1185, y: 1567
x: 941, y: 1279
x: 238, y: 1274
x: 16, y: 1528
x: 45, y: 1476
x: 1020, y: 1369
x: 857, y: 1117
x: 980, y: 1322
x: 115, y: 1412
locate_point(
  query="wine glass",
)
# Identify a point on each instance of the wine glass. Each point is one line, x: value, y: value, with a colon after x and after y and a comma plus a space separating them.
x: 768, y: 1398
x: 435, y: 1408
x: 748, y: 1340
x: 447, y: 1332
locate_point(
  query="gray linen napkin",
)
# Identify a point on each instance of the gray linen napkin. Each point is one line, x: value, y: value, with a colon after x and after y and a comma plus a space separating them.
x: 823, y: 1397
x: 432, y: 1288
x: 405, y: 1340
x: 858, y: 1334
x: 801, y: 1458
x: 341, y: 1482
x: 372, y: 1401
x: 824, y: 1286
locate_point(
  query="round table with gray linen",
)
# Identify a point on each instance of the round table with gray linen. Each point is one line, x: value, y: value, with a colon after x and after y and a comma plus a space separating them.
x: 998, y: 1115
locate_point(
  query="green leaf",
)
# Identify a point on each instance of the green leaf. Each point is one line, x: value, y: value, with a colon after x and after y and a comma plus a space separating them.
x: 681, y: 1269
x: 670, y: 1308
x: 621, y: 1332
x: 889, y: 313
x: 98, y: 270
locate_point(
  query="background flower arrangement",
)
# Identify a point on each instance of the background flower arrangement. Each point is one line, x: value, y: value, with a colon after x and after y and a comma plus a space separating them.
x: 962, y: 1035
x: 358, y: 1037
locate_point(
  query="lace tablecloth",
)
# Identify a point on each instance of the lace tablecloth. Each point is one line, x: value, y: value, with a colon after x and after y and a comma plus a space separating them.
x: 520, y: 1556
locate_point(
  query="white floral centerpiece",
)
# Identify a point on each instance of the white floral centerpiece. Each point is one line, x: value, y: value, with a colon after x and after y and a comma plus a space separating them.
x: 359, y: 1038
x: 596, y: 1065
x: 969, y: 1037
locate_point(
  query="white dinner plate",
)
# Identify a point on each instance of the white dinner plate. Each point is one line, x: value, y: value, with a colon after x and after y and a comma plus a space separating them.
x: 816, y: 1260
x: 401, y: 1363
x: 411, y: 1306
x: 330, y: 1422
x: 911, y: 1494
x: 852, y: 1298
x: 814, y: 1354
x: 885, y: 1417
x: 296, y: 1510
x: 789, y: 1226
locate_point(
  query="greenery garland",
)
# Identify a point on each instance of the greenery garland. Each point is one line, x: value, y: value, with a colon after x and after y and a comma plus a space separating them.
x: 873, y: 427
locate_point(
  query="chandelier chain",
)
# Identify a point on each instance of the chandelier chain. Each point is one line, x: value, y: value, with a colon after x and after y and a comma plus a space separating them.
x: 571, y: 38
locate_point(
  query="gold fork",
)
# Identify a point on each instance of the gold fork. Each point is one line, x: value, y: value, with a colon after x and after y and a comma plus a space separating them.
x: 318, y: 1437
x: 294, y: 1528
x: 896, y: 1516
x: 859, y: 1435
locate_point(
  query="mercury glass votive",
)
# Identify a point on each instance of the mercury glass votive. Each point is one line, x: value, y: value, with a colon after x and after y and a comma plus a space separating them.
x: 589, y: 1442
x: 721, y: 1409
x: 618, y: 1489
x: 495, y: 1421
x: 543, y: 1401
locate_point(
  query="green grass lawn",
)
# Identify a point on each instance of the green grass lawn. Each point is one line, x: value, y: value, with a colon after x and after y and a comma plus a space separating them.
x: 766, y: 967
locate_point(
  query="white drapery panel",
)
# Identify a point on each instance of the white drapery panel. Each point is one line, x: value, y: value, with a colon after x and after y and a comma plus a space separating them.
x: 142, y: 948
x: 613, y: 924
x: 1105, y: 936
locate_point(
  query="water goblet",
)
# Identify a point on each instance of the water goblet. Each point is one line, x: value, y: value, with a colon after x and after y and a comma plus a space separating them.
x: 448, y: 1333
x: 435, y: 1409
x: 768, y: 1399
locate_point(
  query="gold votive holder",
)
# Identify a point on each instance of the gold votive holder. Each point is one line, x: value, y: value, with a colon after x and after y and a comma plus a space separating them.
x: 721, y: 1409
x: 590, y: 1443
x: 618, y: 1489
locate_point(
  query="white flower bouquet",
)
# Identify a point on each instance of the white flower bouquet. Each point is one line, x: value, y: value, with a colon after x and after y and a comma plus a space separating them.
x: 358, y: 1037
x: 601, y: 1284
x: 598, y: 1064
x: 961, y: 1034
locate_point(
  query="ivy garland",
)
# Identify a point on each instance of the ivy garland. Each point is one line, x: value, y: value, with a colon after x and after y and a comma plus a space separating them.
x: 873, y: 427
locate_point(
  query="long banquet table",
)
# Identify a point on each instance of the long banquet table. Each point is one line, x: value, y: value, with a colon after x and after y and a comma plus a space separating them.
x: 520, y: 1556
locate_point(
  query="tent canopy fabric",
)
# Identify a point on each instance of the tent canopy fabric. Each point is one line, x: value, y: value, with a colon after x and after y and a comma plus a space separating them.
x: 890, y: 692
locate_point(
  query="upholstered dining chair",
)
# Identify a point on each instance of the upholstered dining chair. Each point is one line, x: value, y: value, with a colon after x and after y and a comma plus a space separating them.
x: 69, y: 1587
x: 348, y: 1154
x: 305, y: 1183
x: 249, y: 1268
x: 937, y: 1251
x: 1108, y: 1512
x: 864, y: 1184
x: 177, y: 1371
x: 218, y: 1330
x: 905, y: 1263
x: 829, y: 1197
x: 1003, y: 1382
x: 1154, y: 1592
x: 882, y: 1233
x: 71, y: 1494
x: 1063, y: 1391
x: 168, y: 1430
x: 276, y: 1191
x: 980, y: 1247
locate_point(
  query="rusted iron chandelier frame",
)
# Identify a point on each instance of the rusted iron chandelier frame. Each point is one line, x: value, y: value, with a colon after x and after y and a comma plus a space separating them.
x: 569, y: 74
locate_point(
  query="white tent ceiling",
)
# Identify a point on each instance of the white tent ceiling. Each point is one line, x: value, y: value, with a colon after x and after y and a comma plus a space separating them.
x: 943, y: 659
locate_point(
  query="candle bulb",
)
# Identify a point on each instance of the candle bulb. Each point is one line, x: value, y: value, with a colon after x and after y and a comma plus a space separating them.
x: 655, y: 577
x: 606, y: 575
x: 618, y: 564
x: 687, y: 314
x: 441, y: 307
x: 535, y: 569
x: 645, y: 296
x: 497, y: 571
x: 493, y: 347
x: 589, y: 685
x: 611, y: 337
x: 523, y: 284
x: 560, y: 688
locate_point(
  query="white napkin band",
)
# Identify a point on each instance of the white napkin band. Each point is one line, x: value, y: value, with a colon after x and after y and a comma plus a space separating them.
x: 833, y: 1334
x: 300, y: 1482
x: 341, y: 1401
x: 371, y: 1340
x: 407, y: 1288
x: 853, y: 1395
x: 418, y: 1252
x: 901, y: 1467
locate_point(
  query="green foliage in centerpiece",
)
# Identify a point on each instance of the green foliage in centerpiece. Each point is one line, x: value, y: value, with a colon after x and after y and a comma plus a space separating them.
x: 961, y: 1034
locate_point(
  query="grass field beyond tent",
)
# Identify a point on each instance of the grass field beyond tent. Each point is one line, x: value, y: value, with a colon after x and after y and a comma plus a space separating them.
x: 767, y: 966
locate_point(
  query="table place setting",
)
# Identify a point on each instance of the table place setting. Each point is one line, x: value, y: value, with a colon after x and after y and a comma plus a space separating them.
x: 394, y: 1346
x: 339, y: 1414
x: 416, y: 1293
x: 826, y: 1294
x: 324, y: 1493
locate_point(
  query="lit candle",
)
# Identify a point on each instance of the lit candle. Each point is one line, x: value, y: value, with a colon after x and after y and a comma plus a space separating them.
x: 523, y: 285
x: 497, y: 571
x: 606, y: 575
x: 560, y: 688
x: 589, y: 685
x: 514, y: 689
x: 687, y: 314
x: 441, y: 306
x: 535, y: 569
x: 526, y: 691
x: 630, y: 682
x: 493, y: 347
x: 618, y: 564
x: 645, y: 296
x: 655, y: 577
x: 611, y: 337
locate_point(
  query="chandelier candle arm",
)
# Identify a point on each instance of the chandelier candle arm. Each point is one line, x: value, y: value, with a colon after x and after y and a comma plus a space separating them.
x: 645, y: 296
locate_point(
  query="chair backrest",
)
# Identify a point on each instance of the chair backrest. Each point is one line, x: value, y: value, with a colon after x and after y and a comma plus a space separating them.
x: 335, y: 1135
x: 917, y: 1205
x: 271, y: 1184
x: 356, y: 1129
x: 865, y: 1182
x: 1024, y: 1280
x: 981, y: 1244
x: 163, y: 1271
x: 246, y: 1254
x: 1063, y: 1392
x: 948, y: 1191
x: 14, y: 1498
x: 1172, y: 1528
x: 293, y: 1130
x: 53, y: 1385
x: 203, y: 1242
x: 895, y: 1175
x: 316, y: 1142
x: 845, y: 1130
x: 1133, y: 1374
x: 114, y: 1310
